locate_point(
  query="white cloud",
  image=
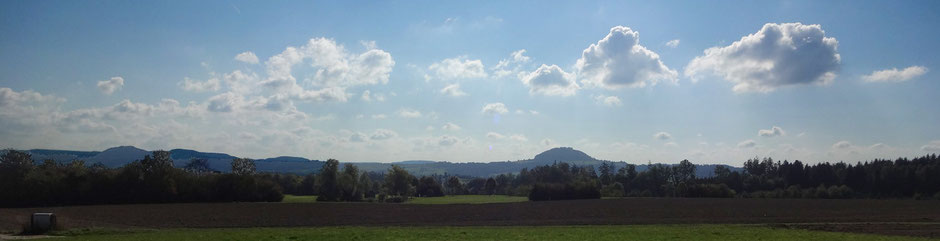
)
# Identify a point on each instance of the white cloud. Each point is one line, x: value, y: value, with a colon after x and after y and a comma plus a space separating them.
x: 382, y: 134
x: 453, y: 90
x: 607, y: 100
x: 495, y: 108
x: 673, y: 43
x: 247, y: 57
x: 109, y: 86
x: 518, y: 137
x: 747, y: 144
x: 550, y: 80
x: 450, y: 127
x: 379, y: 116
x: 458, y: 68
x: 240, y: 82
x: 511, y: 65
x: 368, y: 96
x: 323, y: 95
x: 225, y: 102
x: 894, y: 75
x: 776, y: 56
x: 357, y: 137
x: 447, y: 140
x: 842, y: 145
x: 213, y: 84
x: 618, y: 60
x: 494, y: 135
x: 409, y: 113
x: 335, y: 70
x: 10, y: 98
x: 772, y: 132
x: 662, y: 136
x: 933, y: 146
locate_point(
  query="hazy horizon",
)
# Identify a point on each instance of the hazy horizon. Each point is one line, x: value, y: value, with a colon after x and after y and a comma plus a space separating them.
x: 711, y: 82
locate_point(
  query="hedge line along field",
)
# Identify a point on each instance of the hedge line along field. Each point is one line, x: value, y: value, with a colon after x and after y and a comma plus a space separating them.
x: 467, y: 199
x: 900, y: 217
x: 299, y: 199
x: 597, y: 232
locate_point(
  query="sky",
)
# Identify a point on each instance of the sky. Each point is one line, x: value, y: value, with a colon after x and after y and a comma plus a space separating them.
x: 476, y: 81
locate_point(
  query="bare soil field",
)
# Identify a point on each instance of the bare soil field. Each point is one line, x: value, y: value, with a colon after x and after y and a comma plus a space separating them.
x: 897, y: 217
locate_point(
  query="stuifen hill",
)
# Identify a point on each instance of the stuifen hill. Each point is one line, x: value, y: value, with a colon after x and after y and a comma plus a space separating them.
x: 119, y: 156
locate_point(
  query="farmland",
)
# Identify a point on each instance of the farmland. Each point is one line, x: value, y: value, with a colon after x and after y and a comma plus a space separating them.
x: 467, y: 199
x: 895, y: 217
x: 632, y: 232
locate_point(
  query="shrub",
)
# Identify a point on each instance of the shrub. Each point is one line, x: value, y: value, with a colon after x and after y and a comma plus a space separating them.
x: 557, y: 191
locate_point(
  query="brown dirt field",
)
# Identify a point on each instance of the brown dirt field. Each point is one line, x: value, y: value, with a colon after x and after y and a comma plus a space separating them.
x: 905, y: 217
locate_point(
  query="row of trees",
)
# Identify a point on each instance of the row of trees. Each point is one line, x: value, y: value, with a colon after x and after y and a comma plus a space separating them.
x: 153, y: 179
x: 917, y: 178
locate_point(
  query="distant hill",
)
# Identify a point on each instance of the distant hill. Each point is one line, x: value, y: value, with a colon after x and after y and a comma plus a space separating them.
x: 122, y: 155
x: 555, y: 155
x: 118, y: 156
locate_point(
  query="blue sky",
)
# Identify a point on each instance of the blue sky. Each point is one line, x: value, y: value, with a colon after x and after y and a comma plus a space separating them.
x: 712, y: 82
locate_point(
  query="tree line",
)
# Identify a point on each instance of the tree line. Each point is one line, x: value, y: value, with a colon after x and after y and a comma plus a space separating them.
x: 917, y: 178
x: 154, y: 179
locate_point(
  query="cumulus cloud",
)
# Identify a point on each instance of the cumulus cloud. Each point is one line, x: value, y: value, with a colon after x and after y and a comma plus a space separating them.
x: 382, y: 134
x: 379, y: 116
x: 662, y: 136
x: 247, y: 57
x: 894, y: 75
x: 450, y: 127
x: 335, y: 70
x: 368, y: 96
x: 453, y: 90
x: 772, y: 132
x: 778, y: 55
x: 458, y: 68
x: 494, y: 135
x: 225, y: 102
x: 933, y: 146
x: 10, y: 97
x: 747, y: 144
x: 550, y: 80
x: 213, y: 84
x: 618, y: 60
x: 447, y: 140
x: 842, y: 145
x: 607, y: 100
x: 409, y: 113
x: 109, y: 86
x: 673, y: 43
x: 495, y: 108
x: 511, y: 65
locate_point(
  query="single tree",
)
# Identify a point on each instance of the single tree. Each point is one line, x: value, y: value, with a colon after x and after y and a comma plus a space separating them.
x: 198, y: 166
x: 490, y: 186
x: 327, y: 179
x: 398, y: 181
x: 243, y: 166
x: 454, y: 187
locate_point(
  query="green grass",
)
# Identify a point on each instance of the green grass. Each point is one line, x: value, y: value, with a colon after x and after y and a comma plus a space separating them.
x: 468, y: 199
x: 638, y: 232
x: 299, y: 199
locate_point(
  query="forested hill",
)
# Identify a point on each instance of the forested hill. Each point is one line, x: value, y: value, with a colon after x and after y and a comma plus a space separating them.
x: 560, y: 154
x: 120, y: 156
